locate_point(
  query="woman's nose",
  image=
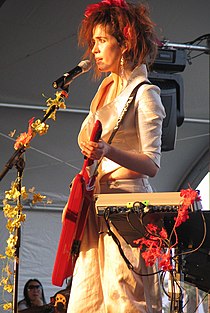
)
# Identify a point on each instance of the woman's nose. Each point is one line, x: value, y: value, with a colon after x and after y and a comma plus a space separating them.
x: 95, y: 48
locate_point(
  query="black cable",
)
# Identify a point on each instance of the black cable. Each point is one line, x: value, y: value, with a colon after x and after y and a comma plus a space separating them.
x: 200, y: 38
x: 196, y: 56
x: 202, y: 300
x: 202, y: 241
x: 116, y: 240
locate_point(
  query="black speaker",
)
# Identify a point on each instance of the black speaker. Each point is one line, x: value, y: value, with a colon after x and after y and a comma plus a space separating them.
x: 194, y: 235
x: 172, y: 93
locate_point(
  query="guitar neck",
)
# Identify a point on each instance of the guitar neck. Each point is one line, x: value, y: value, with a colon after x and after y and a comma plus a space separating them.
x: 95, y: 136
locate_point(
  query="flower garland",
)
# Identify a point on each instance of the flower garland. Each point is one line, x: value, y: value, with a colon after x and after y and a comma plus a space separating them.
x: 12, y: 208
x: 13, y: 211
x: 156, y: 246
x: 39, y: 127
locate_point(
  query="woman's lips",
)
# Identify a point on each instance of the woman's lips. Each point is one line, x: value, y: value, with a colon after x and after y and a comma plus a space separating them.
x: 98, y: 61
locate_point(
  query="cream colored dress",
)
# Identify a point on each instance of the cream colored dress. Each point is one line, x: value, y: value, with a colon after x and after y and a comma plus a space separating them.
x: 102, y: 282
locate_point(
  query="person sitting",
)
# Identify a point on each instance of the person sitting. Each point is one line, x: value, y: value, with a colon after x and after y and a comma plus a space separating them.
x: 33, y: 295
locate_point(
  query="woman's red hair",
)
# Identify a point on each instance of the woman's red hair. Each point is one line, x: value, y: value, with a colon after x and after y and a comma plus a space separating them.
x: 130, y: 24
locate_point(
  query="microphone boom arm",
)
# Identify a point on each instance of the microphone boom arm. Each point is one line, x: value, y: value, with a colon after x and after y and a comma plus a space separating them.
x: 167, y: 44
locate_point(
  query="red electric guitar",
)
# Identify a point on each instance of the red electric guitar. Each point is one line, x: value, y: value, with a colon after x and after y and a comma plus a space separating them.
x: 75, y: 219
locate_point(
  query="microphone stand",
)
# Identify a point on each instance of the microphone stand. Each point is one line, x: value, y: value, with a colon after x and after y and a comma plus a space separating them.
x: 167, y: 44
x: 20, y: 164
x: 19, y: 152
x: 18, y: 161
x: 174, y: 283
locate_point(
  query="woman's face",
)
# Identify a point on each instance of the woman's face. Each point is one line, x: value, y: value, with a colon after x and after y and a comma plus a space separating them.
x: 106, y: 50
x: 34, y: 291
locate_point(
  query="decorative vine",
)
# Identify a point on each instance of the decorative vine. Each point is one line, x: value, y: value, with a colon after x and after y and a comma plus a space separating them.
x: 156, y: 245
x: 12, y: 207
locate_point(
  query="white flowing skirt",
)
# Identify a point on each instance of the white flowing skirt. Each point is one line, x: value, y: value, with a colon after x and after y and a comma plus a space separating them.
x: 102, y: 282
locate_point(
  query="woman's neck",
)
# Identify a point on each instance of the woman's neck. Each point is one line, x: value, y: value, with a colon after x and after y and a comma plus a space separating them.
x: 120, y: 82
x: 114, y: 88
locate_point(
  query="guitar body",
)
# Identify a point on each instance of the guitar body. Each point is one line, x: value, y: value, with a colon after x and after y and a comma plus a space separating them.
x: 64, y: 263
x: 75, y: 219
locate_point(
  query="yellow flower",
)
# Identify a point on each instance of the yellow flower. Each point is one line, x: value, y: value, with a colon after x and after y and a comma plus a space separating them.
x: 10, y: 226
x: 8, y: 288
x: 58, y: 102
x: 37, y: 198
x: 12, y: 133
x: 10, y: 252
x: 49, y: 201
x: 4, y: 281
x: 40, y: 128
x: 13, y: 193
x: 7, y: 306
x: 7, y: 270
x: 9, y: 211
x: 24, y: 193
x: 12, y: 240
x: 22, y: 217
x: 31, y: 190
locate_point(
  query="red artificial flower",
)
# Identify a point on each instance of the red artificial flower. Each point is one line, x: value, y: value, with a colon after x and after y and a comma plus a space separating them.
x: 156, y: 240
x: 117, y: 3
x: 165, y: 262
x: 189, y: 196
x: 182, y: 216
x: 163, y: 233
x: 127, y: 32
x: 25, y: 138
x: 152, y: 228
x: 91, y: 8
x: 143, y: 242
x: 151, y: 255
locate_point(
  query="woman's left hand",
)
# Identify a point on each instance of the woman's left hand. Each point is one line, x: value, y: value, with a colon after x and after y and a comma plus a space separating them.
x: 94, y: 150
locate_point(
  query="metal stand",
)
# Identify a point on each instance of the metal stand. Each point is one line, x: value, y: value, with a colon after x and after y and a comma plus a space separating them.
x: 174, y: 286
x: 20, y: 165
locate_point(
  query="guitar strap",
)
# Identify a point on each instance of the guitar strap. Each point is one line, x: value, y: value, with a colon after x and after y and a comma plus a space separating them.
x: 130, y: 100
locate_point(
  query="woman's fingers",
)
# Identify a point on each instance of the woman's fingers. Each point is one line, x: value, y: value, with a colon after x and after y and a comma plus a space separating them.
x: 92, y: 150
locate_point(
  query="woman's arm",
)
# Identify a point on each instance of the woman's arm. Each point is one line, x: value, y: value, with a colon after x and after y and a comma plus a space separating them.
x: 150, y: 114
x: 137, y: 162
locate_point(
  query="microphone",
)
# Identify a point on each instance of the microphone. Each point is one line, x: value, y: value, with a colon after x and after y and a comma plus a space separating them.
x: 64, y: 81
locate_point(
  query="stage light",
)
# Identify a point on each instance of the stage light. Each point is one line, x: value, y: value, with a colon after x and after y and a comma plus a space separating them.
x: 172, y: 92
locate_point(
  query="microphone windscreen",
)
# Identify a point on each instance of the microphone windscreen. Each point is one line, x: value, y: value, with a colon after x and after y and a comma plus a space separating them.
x: 85, y: 65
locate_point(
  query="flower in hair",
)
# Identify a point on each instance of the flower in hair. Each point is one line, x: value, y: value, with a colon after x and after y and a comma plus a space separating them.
x: 117, y: 3
x: 127, y: 32
x: 94, y: 7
